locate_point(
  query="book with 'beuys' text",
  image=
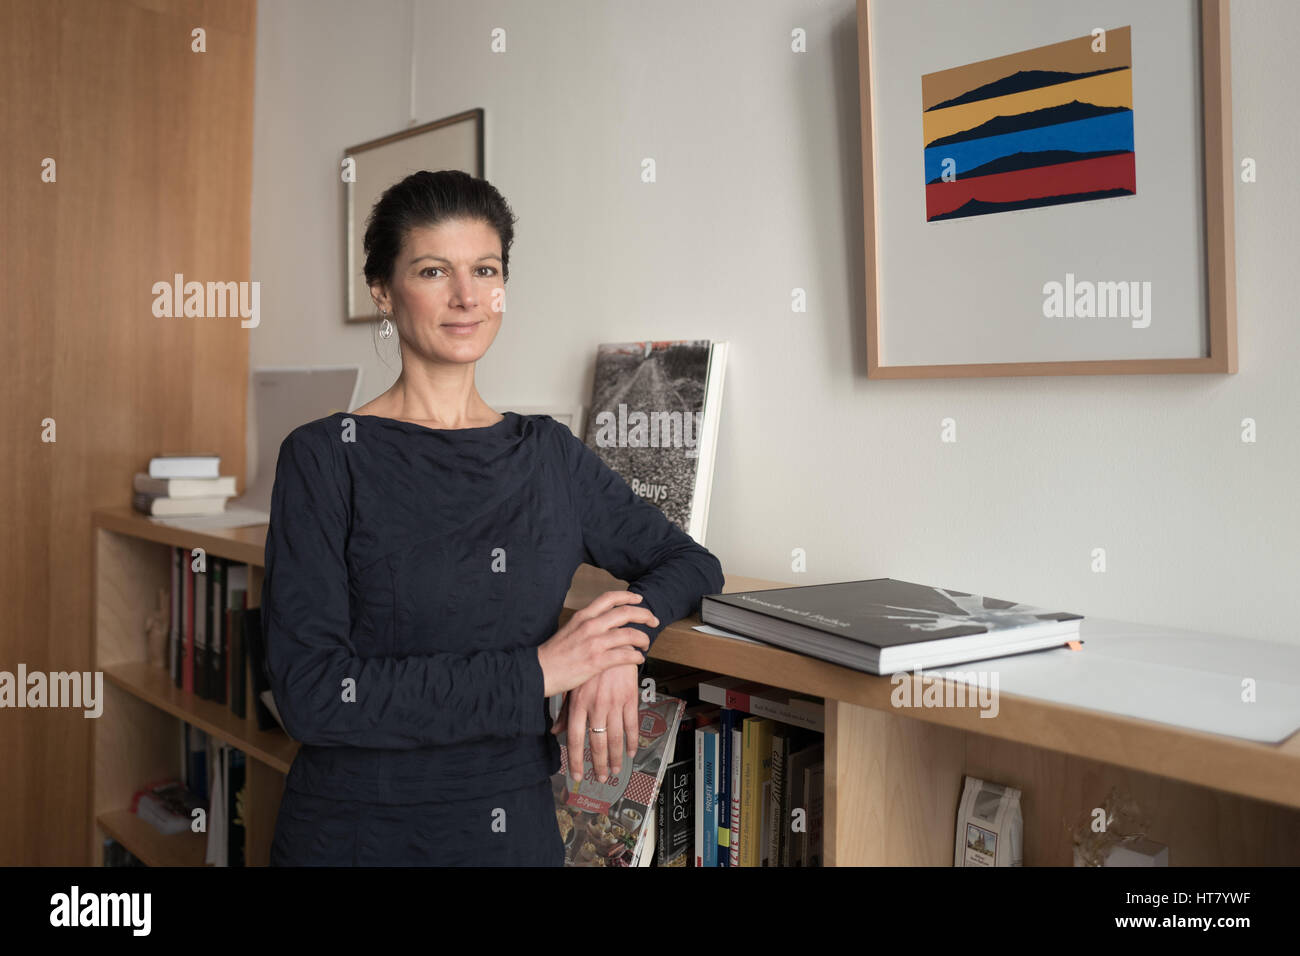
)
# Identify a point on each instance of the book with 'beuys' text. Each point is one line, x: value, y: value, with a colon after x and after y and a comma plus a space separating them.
x: 654, y: 420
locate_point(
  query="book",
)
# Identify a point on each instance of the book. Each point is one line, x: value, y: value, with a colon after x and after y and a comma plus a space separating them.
x: 217, y: 637
x: 233, y: 672
x: 175, y: 507
x: 167, y: 806
x: 172, y: 465
x: 796, y: 774
x: 218, y: 768
x: 178, y: 603
x: 187, y: 624
x: 815, y: 788
x: 185, y: 487
x: 882, y: 625
x: 706, y: 788
x: 611, y: 823
x: 238, y: 664
x: 196, y: 762
x: 654, y: 420
x: 780, y: 796
x: 675, y: 815
x: 202, y: 601
x: 755, y: 781
x: 237, y: 771
x: 762, y: 700
x: 727, y: 722
x: 737, y: 750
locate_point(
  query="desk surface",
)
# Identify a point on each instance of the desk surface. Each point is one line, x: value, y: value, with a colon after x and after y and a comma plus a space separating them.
x: 1267, y: 771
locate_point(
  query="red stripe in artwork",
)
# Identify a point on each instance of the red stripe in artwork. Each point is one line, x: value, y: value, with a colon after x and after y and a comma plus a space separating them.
x: 1085, y: 176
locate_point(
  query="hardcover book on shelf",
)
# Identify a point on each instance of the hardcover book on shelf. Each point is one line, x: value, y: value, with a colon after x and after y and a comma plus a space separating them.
x: 815, y: 788
x: 167, y: 806
x: 706, y: 795
x: 235, y: 791
x: 162, y: 506
x: 185, y: 465
x: 177, y: 604
x: 187, y: 624
x: 218, y: 836
x: 654, y: 420
x: 202, y: 601
x: 611, y: 823
x: 734, y: 816
x: 223, y: 487
x: 755, y: 784
x: 236, y: 660
x: 728, y: 720
x: 675, y: 815
x: 779, y: 802
x: 882, y: 626
x: 797, y: 776
x: 763, y: 700
x: 217, y: 631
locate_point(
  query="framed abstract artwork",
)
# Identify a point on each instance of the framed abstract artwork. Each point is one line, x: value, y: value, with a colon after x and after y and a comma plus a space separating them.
x: 453, y: 142
x: 1047, y: 187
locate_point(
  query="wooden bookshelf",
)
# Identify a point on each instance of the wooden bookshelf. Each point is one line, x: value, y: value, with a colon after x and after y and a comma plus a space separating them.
x: 136, y: 739
x: 893, y: 777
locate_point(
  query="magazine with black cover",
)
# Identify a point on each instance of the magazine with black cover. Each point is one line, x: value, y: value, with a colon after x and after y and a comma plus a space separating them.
x: 883, y: 626
x: 654, y: 420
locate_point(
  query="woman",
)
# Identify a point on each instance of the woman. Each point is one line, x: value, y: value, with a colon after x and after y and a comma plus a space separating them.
x: 417, y: 559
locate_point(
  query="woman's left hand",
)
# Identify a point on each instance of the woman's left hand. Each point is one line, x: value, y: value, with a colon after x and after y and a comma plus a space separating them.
x: 607, y: 700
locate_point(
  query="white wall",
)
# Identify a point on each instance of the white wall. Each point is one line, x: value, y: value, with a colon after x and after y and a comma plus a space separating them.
x: 759, y: 192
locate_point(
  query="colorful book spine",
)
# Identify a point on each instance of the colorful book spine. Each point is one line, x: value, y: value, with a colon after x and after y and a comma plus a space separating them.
x: 737, y: 751
x: 706, y: 789
x: 727, y: 722
x: 755, y: 772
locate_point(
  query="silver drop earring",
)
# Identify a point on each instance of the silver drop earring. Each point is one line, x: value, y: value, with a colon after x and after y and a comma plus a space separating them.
x: 385, y: 327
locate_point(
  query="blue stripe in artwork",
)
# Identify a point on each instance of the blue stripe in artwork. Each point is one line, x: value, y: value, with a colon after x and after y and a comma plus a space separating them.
x: 1111, y: 132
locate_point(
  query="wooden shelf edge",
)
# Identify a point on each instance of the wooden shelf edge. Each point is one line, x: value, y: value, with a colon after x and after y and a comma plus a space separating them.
x: 246, y: 545
x: 152, y: 847
x: 152, y: 685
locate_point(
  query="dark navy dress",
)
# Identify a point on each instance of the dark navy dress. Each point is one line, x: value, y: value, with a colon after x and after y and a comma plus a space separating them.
x: 411, y: 574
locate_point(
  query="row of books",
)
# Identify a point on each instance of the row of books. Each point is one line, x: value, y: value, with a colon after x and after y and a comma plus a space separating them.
x: 745, y: 785
x: 178, y: 485
x: 215, y: 638
x: 208, y: 797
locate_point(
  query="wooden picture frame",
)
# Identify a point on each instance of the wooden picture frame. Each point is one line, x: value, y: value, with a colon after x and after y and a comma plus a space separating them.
x: 1218, y: 276
x: 453, y: 142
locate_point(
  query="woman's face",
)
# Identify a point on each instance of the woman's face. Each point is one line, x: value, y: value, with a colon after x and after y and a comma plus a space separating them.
x: 446, y: 296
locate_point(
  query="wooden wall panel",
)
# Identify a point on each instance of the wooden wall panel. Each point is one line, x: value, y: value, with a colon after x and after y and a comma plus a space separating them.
x: 153, y: 145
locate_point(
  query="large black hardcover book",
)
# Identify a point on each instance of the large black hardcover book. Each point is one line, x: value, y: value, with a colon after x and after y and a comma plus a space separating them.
x: 883, y: 625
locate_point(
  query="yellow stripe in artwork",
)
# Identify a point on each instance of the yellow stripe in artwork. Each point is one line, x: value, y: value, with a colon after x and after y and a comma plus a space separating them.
x: 1109, y: 89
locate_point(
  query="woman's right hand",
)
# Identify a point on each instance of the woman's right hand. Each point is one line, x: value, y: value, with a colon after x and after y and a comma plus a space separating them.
x: 594, y: 640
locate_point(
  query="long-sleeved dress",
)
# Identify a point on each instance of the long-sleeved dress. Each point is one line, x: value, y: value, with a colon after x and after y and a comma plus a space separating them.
x: 411, y: 574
